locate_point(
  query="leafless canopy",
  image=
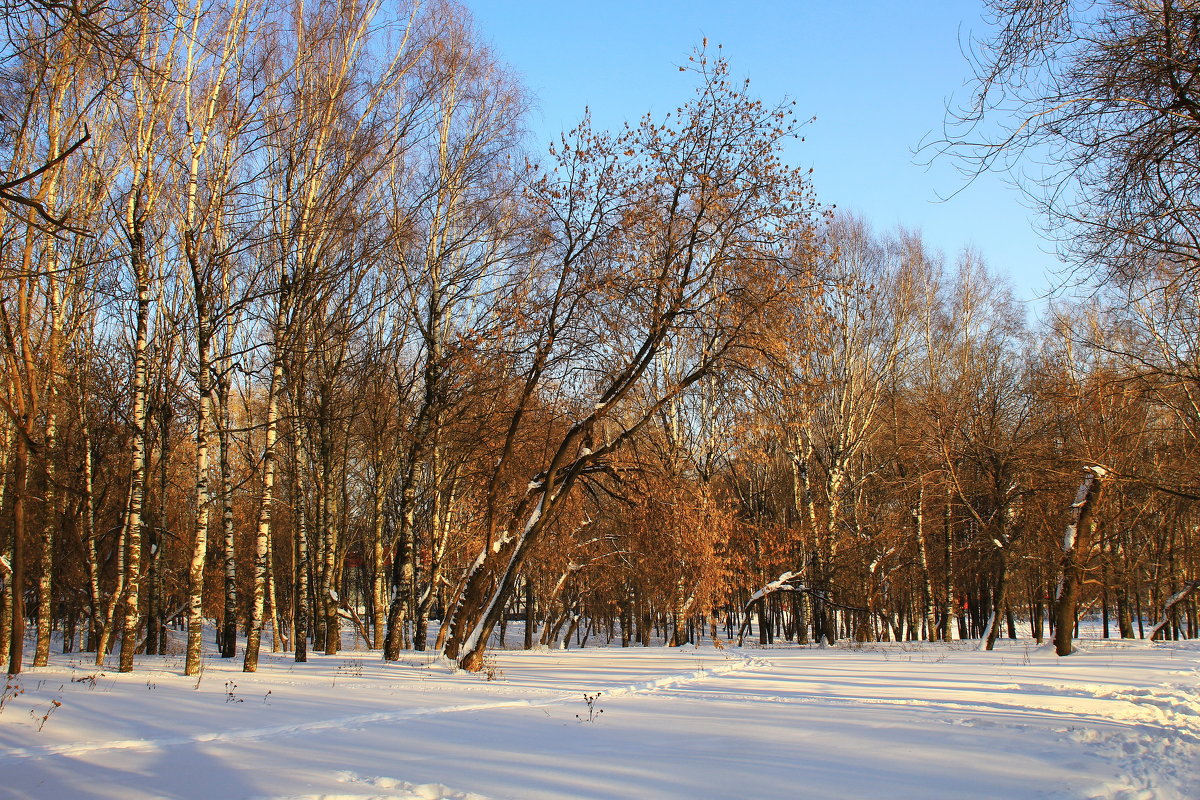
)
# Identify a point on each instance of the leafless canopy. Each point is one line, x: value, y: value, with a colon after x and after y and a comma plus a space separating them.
x: 1094, y: 107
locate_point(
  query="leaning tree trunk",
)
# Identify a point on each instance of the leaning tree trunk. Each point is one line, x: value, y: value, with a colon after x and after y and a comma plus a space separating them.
x: 1170, y: 605
x: 489, y: 582
x: 1076, y: 547
x: 110, y: 604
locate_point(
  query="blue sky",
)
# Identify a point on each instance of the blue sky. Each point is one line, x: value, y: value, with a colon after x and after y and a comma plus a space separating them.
x: 877, y: 75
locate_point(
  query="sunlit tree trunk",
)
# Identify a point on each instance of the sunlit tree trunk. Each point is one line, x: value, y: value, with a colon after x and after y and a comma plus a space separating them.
x: 1076, y: 549
x: 20, y: 490
x: 137, y: 490
x: 378, y: 574
x: 50, y: 520
x: 929, y: 607
x: 6, y: 553
x: 948, y: 578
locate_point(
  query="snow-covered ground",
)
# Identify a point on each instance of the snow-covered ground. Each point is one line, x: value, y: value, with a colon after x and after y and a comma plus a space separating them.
x: 1116, y: 720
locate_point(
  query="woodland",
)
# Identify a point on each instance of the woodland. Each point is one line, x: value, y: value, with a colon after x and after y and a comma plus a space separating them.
x: 299, y: 335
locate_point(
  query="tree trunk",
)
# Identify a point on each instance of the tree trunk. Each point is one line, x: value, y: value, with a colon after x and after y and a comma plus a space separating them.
x: 530, y: 614
x: 331, y: 588
x: 156, y: 622
x: 300, y: 629
x: 204, y: 411
x: 20, y: 490
x: 378, y: 578
x: 137, y: 491
x: 88, y: 533
x: 403, y: 570
x: 278, y: 642
x: 1076, y: 549
x: 948, y: 586
x: 440, y: 524
x: 6, y: 553
x: 257, y: 606
x: 110, y: 605
x: 1170, y: 605
x: 928, y: 605
x: 41, y: 654
x: 229, y: 554
x: 999, y: 590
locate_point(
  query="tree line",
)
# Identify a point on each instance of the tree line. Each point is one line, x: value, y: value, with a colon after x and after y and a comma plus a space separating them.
x: 297, y: 337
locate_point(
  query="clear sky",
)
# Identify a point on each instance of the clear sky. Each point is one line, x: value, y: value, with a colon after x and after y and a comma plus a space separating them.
x: 877, y: 75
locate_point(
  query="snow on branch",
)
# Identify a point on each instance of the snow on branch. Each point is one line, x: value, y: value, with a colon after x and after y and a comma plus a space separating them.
x: 780, y: 584
x: 1175, y: 600
x: 1094, y: 474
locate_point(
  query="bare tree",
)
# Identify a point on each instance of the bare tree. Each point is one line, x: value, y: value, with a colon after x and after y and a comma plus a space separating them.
x: 651, y: 233
x: 1076, y: 546
x: 44, y: 264
x: 463, y: 240
x: 145, y: 135
x: 1104, y: 98
x: 331, y: 134
x: 984, y: 422
x: 215, y: 63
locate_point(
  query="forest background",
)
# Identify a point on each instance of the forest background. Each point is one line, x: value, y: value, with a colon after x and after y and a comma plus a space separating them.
x: 298, y: 333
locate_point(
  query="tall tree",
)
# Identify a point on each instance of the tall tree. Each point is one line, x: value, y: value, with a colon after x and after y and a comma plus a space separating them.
x: 45, y: 259
x: 333, y: 126
x: 216, y: 73
x: 655, y: 232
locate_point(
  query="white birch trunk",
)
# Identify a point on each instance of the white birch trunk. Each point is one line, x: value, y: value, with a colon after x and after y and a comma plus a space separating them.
x: 133, y: 519
x: 200, y: 546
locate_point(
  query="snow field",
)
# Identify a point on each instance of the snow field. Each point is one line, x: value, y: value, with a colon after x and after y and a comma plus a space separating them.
x: 1116, y: 720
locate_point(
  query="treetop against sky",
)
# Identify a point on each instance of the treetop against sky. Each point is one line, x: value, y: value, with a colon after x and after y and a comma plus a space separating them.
x: 877, y: 76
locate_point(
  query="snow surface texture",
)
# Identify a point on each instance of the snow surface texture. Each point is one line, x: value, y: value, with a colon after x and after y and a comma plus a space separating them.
x: 1118, y: 719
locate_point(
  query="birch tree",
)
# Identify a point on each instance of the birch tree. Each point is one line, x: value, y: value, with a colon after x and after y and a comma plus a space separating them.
x: 214, y: 71
x: 466, y: 221
x: 43, y: 261
x: 330, y: 133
